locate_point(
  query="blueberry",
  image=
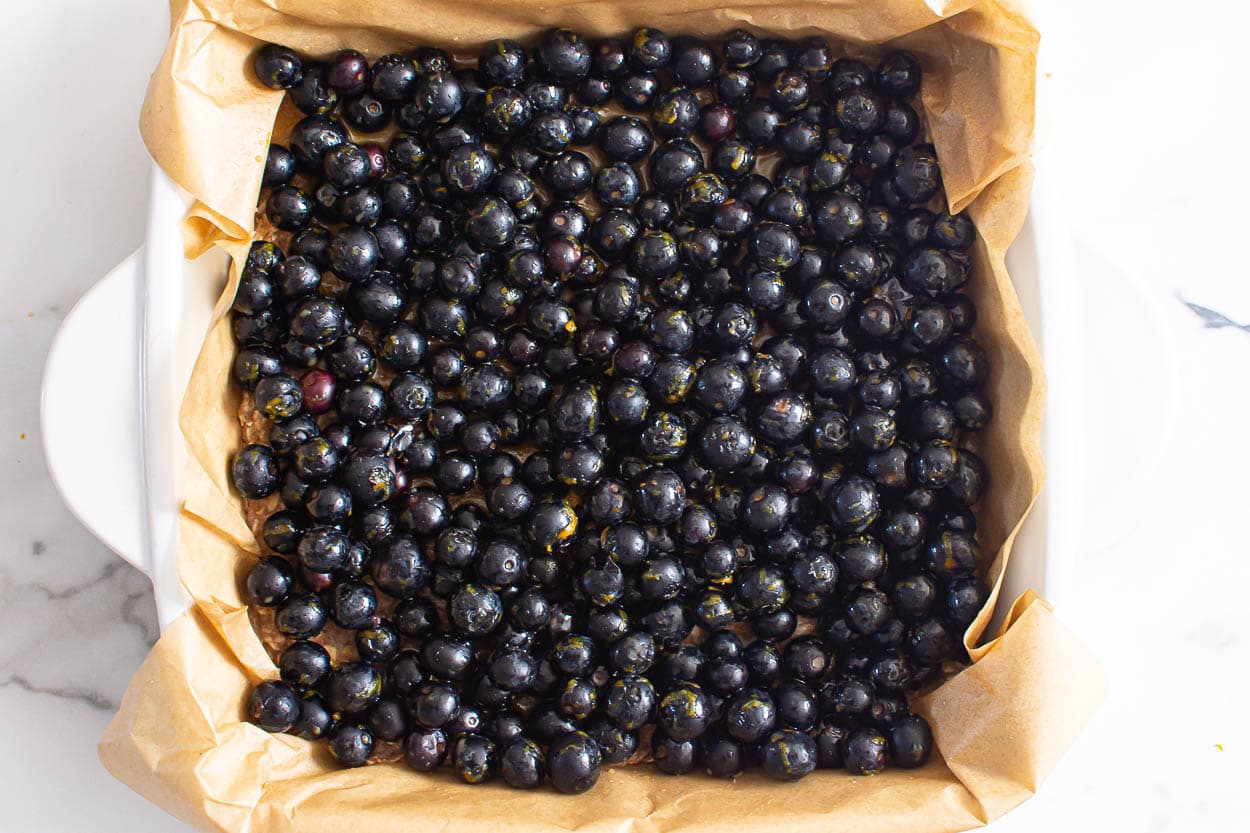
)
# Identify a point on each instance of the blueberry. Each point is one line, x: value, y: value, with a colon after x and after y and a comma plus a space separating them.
x: 474, y: 758
x: 673, y: 756
x: 313, y: 137
x: 315, y: 721
x: 277, y: 67
x: 788, y: 755
x: 351, y: 744
x: 475, y: 610
x: 300, y: 617
x: 564, y: 55
x: 750, y: 716
x: 522, y: 763
x: 684, y: 713
x: 864, y: 752
x: 254, y: 471
x: 573, y: 762
x: 273, y: 706
x: 353, y: 254
x: 625, y: 139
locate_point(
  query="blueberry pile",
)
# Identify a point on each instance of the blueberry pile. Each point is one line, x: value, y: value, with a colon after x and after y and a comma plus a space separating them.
x: 618, y: 397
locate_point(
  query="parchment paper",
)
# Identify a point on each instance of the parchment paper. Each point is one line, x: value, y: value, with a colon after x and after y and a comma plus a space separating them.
x: 1000, y: 725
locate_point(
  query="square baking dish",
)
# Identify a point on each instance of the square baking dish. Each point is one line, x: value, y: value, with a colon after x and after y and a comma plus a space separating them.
x: 167, y: 302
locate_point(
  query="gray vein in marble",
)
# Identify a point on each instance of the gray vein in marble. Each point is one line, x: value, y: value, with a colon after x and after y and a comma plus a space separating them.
x: 107, y: 573
x: 48, y: 655
x: 92, y: 698
x: 139, y: 616
x: 1213, y: 319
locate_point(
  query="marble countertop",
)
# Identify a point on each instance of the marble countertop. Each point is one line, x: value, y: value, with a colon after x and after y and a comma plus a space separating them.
x: 1160, y: 594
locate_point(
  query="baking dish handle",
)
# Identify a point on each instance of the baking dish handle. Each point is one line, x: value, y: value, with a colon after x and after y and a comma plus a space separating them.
x: 89, y: 411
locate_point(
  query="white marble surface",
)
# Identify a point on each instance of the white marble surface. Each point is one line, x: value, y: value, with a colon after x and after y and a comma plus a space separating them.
x: 75, y: 621
x: 1161, y: 596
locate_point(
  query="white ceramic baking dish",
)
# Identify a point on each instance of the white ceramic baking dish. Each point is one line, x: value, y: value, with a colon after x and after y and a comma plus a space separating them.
x: 129, y: 345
